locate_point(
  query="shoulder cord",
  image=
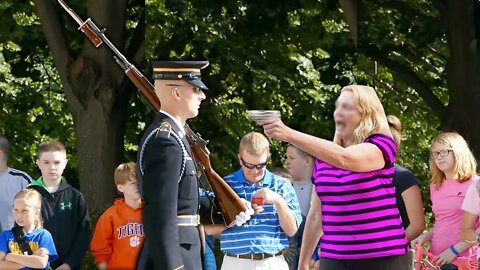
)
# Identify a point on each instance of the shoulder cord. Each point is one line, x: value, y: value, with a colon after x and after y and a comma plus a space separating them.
x: 179, y: 141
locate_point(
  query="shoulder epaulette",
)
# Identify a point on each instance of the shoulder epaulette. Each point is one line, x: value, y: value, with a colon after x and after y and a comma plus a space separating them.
x: 164, y: 128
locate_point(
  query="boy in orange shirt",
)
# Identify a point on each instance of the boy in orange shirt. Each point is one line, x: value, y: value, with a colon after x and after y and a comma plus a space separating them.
x: 119, y: 234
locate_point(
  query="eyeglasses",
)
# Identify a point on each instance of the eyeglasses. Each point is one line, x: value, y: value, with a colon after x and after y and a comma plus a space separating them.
x: 441, y: 153
x: 251, y: 166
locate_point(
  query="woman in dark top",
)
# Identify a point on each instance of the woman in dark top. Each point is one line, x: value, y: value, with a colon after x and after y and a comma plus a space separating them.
x: 407, y: 189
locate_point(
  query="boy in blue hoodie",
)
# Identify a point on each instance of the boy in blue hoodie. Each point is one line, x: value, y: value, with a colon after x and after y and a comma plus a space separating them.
x: 64, y: 210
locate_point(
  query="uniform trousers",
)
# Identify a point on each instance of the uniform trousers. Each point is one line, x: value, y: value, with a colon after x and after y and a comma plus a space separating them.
x: 191, y: 255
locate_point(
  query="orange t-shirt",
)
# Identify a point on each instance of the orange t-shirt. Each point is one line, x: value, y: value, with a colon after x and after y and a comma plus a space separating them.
x: 118, y: 236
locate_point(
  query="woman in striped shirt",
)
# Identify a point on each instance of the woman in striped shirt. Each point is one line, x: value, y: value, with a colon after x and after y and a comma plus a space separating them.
x: 354, y: 213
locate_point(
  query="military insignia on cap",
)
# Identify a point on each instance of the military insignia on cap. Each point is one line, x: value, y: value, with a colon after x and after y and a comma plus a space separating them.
x: 188, y: 71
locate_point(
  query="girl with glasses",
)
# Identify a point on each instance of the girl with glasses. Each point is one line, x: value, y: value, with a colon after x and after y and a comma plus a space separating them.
x: 452, y: 170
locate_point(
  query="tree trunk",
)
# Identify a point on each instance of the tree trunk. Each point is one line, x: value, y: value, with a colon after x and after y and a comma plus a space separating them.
x: 96, y: 93
x: 463, y: 71
x: 99, y: 149
x: 350, y: 11
x: 99, y: 112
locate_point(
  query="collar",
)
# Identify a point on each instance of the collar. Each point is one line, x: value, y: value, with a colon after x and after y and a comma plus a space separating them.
x: 180, y: 126
x: 266, y: 181
x: 40, y: 182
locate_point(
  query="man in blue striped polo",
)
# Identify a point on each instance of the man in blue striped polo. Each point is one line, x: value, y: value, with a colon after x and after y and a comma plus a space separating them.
x: 259, y: 243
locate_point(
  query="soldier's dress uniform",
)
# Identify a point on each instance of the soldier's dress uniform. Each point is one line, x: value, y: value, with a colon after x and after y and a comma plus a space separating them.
x: 169, y: 186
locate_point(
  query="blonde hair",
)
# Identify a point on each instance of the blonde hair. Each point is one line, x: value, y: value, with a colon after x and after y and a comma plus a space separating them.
x: 33, y: 199
x: 395, y: 128
x: 465, y: 164
x: 125, y: 172
x: 372, y: 114
x: 255, y: 144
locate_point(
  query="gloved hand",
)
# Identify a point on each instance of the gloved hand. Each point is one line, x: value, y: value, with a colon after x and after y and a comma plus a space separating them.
x: 243, y: 217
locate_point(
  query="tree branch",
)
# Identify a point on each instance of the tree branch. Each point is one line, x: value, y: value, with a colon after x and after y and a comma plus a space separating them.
x: 414, y: 58
x: 436, y: 53
x: 407, y: 10
x: 54, y: 33
x: 350, y: 10
x: 136, y: 48
x: 460, y: 15
x: 409, y: 77
x: 108, y: 14
x: 477, y: 20
x: 135, y: 52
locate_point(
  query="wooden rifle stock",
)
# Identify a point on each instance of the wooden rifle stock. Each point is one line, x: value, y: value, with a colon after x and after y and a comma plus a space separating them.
x: 230, y: 203
x: 223, y: 192
x: 145, y: 87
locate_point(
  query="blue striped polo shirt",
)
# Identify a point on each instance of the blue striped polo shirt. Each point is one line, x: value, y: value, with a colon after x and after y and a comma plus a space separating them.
x: 262, y: 233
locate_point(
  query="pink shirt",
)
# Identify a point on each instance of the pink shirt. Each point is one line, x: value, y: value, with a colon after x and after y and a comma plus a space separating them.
x: 471, y: 203
x: 446, y: 206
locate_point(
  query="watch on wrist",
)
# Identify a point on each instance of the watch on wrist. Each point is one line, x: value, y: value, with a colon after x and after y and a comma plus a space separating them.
x: 478, y: 238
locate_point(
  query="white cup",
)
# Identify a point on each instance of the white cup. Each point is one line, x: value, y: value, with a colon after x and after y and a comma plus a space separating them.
x: 262, y: 116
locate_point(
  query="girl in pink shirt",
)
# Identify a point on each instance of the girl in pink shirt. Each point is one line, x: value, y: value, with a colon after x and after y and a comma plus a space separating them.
x: 452, y: 168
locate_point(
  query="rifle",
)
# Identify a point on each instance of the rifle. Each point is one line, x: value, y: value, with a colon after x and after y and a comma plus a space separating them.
x: 229, y: 202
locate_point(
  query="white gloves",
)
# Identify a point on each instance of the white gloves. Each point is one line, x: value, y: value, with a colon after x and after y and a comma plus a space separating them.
x: 243, y: 217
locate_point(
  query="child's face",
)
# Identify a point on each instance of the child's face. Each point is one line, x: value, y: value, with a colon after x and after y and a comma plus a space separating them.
x: 52, y: 164
x: 447, y: 163
x: 130, y: 190
x: 295, y: 164
x: 23, y: 213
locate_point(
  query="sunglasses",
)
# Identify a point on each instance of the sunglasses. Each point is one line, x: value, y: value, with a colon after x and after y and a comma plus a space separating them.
x: 195, y: 88
x: 251, y: 166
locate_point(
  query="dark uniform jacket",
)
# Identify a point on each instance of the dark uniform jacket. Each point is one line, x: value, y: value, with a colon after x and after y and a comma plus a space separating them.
x: 168, y: 182
x: 65, y: 216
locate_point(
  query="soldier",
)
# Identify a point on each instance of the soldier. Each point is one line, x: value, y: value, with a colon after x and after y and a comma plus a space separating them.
x: 168, y: 179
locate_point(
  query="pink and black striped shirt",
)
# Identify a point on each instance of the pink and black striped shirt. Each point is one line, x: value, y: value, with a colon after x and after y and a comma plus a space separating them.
x: 360, y: 218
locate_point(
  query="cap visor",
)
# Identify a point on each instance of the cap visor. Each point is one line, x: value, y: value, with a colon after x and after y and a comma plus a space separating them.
x: 198, y: 83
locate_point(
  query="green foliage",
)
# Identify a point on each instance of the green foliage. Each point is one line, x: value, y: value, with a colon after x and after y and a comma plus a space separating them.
x: 292, y: 56
x: 34, y: 108
x: 263, y: 55
x: 411, y: 44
